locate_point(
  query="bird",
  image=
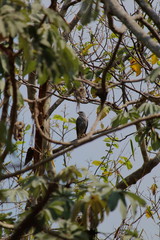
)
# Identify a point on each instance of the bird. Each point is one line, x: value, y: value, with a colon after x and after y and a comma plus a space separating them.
x: 81, y: 124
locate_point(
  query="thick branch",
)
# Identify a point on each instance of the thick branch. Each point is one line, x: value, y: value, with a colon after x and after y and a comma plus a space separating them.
x: 13, y: 113
x: 150, y: 28
x: 150, y: 12
x: 6, y: 100
x: 66, y: 5
x: 72, y: 24
x: 114, y: 8
x: 141, y: 172
x: 114, y: 28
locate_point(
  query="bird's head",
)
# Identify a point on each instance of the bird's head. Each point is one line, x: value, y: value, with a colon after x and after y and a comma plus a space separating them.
x: 81, y: 114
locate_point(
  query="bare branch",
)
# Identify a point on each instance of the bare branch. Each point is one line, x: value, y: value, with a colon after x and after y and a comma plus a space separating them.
x: 57, y: 103
x: 150, y: 12
x: 109, y: 65
x: 113, y: 27
x: 13, y: 113
x: 41, y: 131
x: 142, y: 144
x: 117, y: 10
x: 6, y: 225
x: 6, y: 100
x: 66, y: 5
x: 150, y: 28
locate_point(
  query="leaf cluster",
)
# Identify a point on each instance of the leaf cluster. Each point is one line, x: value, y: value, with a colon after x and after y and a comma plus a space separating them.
x: 68, y: 203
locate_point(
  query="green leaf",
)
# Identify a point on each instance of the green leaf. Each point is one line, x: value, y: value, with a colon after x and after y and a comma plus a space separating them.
x: 121, y: 118
x: 86, y: 49
x: 149, y: 108
x: 104, y: 111
x: 20, y: 142
x: 155, y: 140
x: 132, y: 148
x: 43, y: 75
x: 27, y: 127
x: 70, y: 173
x: 113, y: 199
x: 72, y: 120
x: 30, y: 66
x: 129, y: 165
x: 113, y: 35
x: 15, y: 195
x: 90, y: 11
x: 60, y: 118
x: 36, y: 186
x: 4, y: 63
x: 136, y: 198
x: 154, y: 76
x: 20, y: 102
x: 56, y: 19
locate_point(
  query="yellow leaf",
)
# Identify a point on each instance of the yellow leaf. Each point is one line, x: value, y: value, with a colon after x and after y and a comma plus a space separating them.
x: 104, y: 112
x: 97, y: 163
x: 85, y: 50
x: 20, y: 178
x: 97, y: 206
x: 135, y: 66
x: 154, y: 188
x: 149, y: 213
x: 97, y: 80
x: 121, y: 162
x: 107, y: 173
x: 93, y: 92
x: 153, y: 59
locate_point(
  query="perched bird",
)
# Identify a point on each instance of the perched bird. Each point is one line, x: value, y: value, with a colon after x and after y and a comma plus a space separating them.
x: 81, y: 124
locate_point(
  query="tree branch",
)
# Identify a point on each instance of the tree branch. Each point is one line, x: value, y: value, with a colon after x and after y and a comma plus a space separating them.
x: 114, y: 28
x: 142, y: 144
x: 117, y: 10
x: 6, y: 225
x: 6, y: 100
x: 150, y: 28
x: 13, y: 112
x: 57, y: 103
x: 66, y: 5
x: 150, y: 12
x: 141, y: 172
x: 103, y: 92
x: 41, y: 131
